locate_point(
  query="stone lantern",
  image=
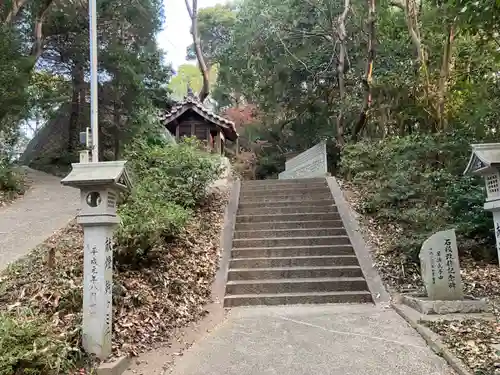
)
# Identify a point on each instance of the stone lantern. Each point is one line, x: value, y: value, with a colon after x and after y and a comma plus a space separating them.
x: 99, y: 184
x: 485, y: 162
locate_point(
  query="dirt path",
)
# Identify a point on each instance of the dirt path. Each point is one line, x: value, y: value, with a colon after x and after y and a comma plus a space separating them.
x: 28, y: 221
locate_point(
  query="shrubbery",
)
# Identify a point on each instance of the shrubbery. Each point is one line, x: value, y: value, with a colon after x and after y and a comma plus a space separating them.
x: 169, y: 181
x: 417, y: 183
x: 28, y: 348
x: 11, y: 182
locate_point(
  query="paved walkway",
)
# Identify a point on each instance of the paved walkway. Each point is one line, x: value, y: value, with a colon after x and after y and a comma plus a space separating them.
x: 28, y: 221
x: 310, y: 340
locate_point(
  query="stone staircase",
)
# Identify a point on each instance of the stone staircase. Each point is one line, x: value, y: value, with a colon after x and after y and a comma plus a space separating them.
x: 290, y: 247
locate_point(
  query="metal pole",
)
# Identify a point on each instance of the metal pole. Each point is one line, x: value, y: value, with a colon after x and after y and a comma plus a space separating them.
x: 93, y: 80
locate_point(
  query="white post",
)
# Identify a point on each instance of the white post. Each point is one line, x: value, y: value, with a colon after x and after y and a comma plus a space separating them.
x: 496, y: 221
x: 98, y: 286
x: 93, y: 80
x: 84, y: 156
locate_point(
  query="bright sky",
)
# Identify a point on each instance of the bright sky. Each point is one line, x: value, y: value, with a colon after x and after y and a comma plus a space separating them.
x: 176, y: 37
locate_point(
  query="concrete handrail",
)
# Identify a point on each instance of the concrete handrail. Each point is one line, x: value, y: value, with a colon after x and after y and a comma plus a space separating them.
x: 311, y: 163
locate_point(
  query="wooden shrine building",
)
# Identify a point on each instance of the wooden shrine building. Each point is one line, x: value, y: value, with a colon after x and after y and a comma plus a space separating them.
x: 191, y: 118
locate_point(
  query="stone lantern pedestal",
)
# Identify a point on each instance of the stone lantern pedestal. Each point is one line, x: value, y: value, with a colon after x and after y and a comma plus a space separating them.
x: 485, y: 162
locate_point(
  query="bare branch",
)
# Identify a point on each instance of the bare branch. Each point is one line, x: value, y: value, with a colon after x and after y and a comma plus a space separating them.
x: 290, y: 53
x: 189, y: 9
x: 398, y: 3
x: 193, y: 13
x: 303, y: 32
x: 367, y: 80
x: 37, y: 48
x: 16, y: 7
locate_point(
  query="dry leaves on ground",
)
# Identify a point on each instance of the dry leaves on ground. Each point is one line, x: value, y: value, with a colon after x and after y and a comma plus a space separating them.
x: 168, y: 292
x: 395, y: 268
x: 400, y: 273
x: 471, y: 340
x: 474, y: 341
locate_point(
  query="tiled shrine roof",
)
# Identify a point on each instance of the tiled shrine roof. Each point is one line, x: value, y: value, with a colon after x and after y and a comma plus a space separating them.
x: 192, y: 104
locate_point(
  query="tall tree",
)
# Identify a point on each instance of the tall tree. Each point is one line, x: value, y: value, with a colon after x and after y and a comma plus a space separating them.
x: 193, y: 14
x: 214, y: 27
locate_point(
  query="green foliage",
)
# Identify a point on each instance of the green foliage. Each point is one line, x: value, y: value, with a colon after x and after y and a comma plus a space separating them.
x: 36, y: 86
x: 169, y: 181
x: 14, y: 76
x: 27, y: 347
x: 10, y: 181
x: 189, y: 74
x: 416, y: 183
x: 269, y: 166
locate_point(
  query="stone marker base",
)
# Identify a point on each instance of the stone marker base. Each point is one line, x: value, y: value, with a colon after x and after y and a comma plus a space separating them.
x: 426, y: 306
x: 116, y: 367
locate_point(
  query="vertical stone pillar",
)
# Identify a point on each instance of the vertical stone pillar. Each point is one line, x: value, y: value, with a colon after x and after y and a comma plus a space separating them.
x: 193, y: 129
x: 209, y: 140
x: 496, y: 221
x: 218, y: 143
x: 97, y: 289
x: 177, y: 130
x: 99, y: 184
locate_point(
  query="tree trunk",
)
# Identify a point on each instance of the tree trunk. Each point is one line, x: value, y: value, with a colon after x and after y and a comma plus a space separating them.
x: 117, y: 128
x: 37, y: 47
x: 342, y: 35
x: 367, y: 81
x: 77, y: 103
x: 193, y: 14
x: 443, y: 79
x: 16, y: 7
x: 411, y: 16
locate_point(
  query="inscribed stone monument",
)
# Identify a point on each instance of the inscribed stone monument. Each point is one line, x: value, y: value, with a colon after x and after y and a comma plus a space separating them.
x: 99, y: 184
x: 440, y: 267
x: 310, y: 163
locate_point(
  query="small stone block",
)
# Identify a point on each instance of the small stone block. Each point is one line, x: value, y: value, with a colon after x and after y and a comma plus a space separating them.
x: 427, y: 306
x: 117, y: 367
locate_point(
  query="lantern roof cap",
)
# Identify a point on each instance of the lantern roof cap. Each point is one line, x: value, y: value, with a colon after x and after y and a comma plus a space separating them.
x: 111, y: 173
x: 484, y: 157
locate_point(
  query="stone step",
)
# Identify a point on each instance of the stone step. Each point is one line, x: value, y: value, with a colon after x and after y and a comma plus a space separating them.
x: 290, y: 241
x: 293, y: 273
x: 288, y: 198
x: 270, y: 233
x: 312, y: 224
x: 304, y: 261
x: 284, y: 182
x: 307, y: 203
x: 292, y: 251
x: 287, y: 210
x: 270, y: 187
x: 287, y: 191
x: 295, y: 285
x: 287, y: 217
x: 297, y: 298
